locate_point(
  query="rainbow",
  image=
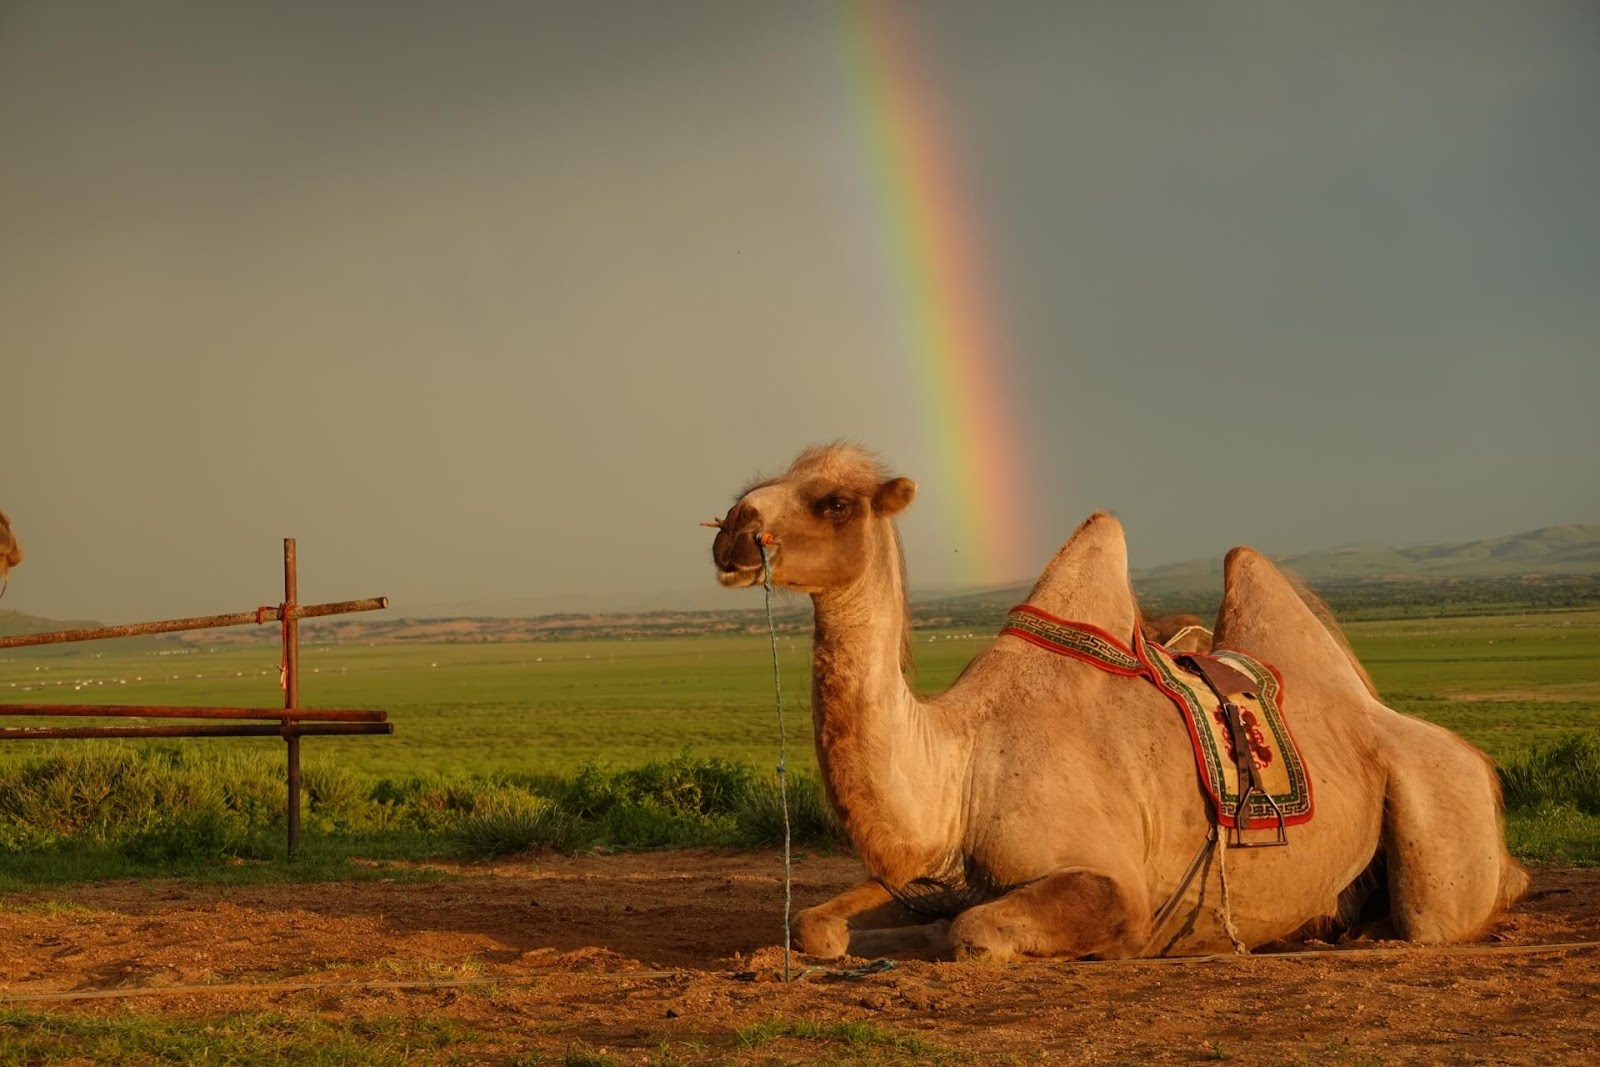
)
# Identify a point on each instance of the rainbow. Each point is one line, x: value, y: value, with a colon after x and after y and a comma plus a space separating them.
x: 949, y: 317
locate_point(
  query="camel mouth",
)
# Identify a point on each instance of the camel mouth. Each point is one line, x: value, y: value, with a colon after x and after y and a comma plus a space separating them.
x: 740, y: 577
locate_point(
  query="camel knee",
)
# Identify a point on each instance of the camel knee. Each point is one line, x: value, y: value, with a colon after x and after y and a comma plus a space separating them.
x: 975, y: 936
x: 819, y: 932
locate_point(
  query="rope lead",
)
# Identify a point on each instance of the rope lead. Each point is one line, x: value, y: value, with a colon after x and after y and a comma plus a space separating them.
x: 783, y: 755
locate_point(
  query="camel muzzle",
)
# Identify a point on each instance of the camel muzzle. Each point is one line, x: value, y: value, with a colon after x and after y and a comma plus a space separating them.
x: 740, y: 541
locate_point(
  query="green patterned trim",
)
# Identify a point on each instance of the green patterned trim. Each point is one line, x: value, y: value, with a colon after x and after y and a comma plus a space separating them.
x: 1079, y: 640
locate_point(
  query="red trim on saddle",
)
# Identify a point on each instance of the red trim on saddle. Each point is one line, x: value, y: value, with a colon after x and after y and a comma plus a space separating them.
x: 1139, y: 654
x: 1082, y: 627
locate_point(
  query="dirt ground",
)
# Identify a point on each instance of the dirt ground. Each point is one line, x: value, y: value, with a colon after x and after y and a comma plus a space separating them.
x: 639, y: 958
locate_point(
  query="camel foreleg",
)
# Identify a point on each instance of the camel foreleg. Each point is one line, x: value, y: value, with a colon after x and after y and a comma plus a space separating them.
x: 866, y: 921
x: 1077, y: 912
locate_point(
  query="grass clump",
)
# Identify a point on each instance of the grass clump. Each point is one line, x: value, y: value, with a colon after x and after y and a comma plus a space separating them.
x: 133, y: 811
x: 1565, y: 773
x: 811, y: 819
x: 101, y: 795
x: 684, y: 785
x: 512, y: 823
x: 857, y: 1035
x: 682, y: 801
x: 1552, y: 797
x: 255, y: 1038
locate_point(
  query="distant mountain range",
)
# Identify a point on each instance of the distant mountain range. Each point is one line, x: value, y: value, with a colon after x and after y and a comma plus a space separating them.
x: 20, y: 622
x: 1572, y: 549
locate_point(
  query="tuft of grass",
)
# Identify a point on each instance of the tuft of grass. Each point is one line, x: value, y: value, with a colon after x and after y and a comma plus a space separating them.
x: 1557, y: 835
x: 256, y: 1038
x: 1563, y: 774
x: 513, y: 824
x: 583, y: 1057
x: 855, y: 1034
x: 759, y: 822
x: 188, y: 837
x: 1552, y: 795
x: 683, y: 785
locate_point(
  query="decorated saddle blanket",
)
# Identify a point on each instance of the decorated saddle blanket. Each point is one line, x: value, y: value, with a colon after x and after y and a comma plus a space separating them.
x: 1279, y: 767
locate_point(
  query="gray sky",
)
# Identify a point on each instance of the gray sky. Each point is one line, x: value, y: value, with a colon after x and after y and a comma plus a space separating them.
x: 493, y: 302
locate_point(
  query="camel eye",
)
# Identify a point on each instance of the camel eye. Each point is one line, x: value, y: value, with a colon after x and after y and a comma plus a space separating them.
x: 837, y: 508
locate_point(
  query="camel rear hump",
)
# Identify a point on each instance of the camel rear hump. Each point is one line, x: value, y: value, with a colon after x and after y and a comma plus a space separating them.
x: 1269, y: 615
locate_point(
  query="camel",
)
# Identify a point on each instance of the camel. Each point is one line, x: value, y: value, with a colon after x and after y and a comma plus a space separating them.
x: 1042, y: 807
x: 10, y: 552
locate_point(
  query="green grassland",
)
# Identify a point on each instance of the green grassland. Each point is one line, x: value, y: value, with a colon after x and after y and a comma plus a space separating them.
x: 634, y: 743
x: 1505, y: 682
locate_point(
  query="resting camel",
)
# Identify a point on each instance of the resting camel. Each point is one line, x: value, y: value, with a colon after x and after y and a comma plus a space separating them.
x: 1042, y: 806
x: 10, y: 551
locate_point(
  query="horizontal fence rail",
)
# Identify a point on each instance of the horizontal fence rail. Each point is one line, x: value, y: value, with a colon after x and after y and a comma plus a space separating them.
x: 277, y: 613
x: 291, y: 722
x: 290, y: 728
x: 152, y: 711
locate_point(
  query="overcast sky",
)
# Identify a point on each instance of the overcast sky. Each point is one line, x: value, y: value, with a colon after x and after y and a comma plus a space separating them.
x: 493, y: 302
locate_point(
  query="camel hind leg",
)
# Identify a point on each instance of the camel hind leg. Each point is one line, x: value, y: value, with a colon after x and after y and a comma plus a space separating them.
x: 1077, y: 912
x: 1448, y: 870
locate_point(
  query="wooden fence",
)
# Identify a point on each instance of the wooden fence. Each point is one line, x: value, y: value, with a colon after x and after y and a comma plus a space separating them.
x: 291, y: 722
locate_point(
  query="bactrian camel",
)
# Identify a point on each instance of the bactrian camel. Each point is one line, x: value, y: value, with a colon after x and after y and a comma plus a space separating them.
x: 1054, y: 807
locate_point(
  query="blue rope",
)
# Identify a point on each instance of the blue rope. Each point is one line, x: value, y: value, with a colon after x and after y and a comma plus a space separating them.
x: 783, y: 757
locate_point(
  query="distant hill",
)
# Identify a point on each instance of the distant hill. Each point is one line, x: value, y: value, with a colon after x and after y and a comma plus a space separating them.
x: 18, y: 622
x: 1572, y: 549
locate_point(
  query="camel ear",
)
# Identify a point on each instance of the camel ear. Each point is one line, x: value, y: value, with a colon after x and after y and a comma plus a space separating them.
x: 894, y: 496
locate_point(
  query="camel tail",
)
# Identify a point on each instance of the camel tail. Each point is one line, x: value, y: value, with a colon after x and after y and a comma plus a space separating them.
x: 1329, y: 623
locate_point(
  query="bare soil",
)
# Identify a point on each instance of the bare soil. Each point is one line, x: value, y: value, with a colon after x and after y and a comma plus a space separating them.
x: 662, y: 958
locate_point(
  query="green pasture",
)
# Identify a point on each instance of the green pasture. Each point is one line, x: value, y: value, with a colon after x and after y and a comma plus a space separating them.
x: 639, y: 743
x: 1505, y: 682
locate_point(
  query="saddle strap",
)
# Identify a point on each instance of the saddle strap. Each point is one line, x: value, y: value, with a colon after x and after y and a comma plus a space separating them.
x: 1223, y: 678
x: 1223, y: 681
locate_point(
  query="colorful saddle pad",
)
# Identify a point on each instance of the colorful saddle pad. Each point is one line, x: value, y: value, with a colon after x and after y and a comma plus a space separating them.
x: 1272, y: 749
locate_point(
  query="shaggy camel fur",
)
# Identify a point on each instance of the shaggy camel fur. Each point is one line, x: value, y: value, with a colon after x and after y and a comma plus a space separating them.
x: 10, y: 550
x: 1043, y: 807
x: 1180, y: 633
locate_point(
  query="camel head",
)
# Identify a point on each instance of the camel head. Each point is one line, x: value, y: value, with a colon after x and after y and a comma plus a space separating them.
x: 10, y: 548
x: 823, y: 521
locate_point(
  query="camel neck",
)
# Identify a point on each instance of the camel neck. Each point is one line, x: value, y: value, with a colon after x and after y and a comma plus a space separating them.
x: 883, y: 754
